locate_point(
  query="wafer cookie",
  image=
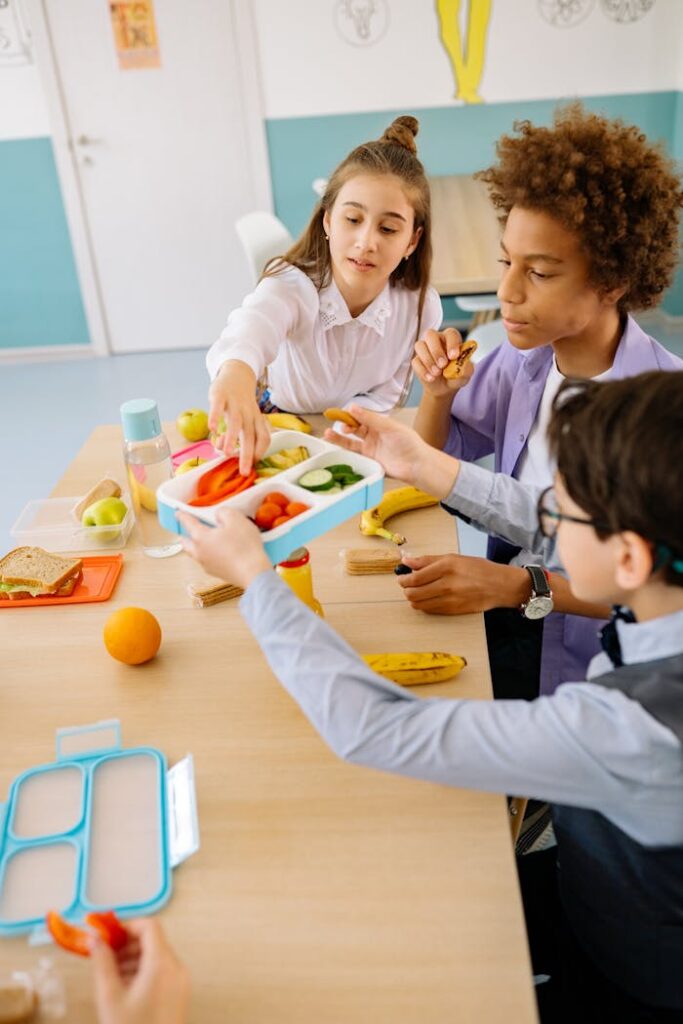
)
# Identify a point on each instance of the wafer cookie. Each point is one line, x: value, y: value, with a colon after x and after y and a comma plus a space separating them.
x: 370, y: 561
x: 202, y: 597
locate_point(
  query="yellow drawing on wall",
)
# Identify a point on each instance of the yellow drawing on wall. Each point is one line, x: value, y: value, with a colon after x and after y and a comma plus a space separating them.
x: 468, y: 65
x: 135, y: 34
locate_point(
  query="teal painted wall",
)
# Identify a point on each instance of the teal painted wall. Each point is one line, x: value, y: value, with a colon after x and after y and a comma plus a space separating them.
x: 452, y: 140
x: 40, y: 297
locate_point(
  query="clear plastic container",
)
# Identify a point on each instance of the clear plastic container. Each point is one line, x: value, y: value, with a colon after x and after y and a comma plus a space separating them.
x: 147, y: 455
x: 49, y: 523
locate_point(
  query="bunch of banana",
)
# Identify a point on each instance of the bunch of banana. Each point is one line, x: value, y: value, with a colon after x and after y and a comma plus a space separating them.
x: 416, y: 667
x: 288, y: 421
x: 402, y: 499
x: 273, y: 464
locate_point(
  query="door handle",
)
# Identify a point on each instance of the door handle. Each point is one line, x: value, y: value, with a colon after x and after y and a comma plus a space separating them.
x: 86, y: 140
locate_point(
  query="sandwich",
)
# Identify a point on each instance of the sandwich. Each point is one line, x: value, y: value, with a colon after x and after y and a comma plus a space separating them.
x: 457, y: 365
x: 33, y: 572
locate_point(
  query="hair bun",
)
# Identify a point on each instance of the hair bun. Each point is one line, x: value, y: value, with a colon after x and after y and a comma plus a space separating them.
x: 402, y: 132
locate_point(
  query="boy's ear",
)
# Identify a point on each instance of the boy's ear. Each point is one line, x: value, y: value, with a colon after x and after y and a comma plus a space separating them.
x: 634, y: 561
x: 612, y: 297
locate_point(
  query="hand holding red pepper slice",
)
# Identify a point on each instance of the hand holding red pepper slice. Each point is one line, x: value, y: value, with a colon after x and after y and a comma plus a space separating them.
x: 78, y: 940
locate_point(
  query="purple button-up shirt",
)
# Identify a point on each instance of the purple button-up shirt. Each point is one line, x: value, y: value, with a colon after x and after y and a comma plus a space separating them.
x: 494, y: 414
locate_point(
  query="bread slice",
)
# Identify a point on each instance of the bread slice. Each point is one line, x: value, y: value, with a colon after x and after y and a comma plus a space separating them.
x: 39, y: 568
x: 105, y: 488
x: 370, y: 561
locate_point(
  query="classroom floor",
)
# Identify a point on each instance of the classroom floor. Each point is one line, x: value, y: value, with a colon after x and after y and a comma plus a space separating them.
x: 50, y: 408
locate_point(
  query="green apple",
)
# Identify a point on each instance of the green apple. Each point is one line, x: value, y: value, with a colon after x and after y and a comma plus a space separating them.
x: 105, y: 512
x: 189, y: 464
x: 193, y: 424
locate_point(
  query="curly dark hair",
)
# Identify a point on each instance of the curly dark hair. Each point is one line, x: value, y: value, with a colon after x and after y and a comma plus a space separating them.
x: 604, y: 181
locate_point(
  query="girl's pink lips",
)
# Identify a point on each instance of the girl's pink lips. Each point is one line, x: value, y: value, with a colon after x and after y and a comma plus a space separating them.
x: 361, y: 264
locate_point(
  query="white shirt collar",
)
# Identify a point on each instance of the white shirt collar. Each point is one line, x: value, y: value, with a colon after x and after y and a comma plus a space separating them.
x: 643, y: 641
x: 334, y: 312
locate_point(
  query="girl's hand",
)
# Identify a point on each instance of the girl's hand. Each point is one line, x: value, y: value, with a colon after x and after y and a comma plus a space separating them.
x: 432, y: 356
x: 460, y: 584
x: 232, y: 396
x: 143, y: 983
x: 233, y: 550
x: 400, y: 450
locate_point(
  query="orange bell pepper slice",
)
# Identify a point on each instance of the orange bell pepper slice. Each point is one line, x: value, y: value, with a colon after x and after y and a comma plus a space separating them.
x: 239, y: 483
x: 217, y: 477
x: 78, y: 940
x: 109, y: 929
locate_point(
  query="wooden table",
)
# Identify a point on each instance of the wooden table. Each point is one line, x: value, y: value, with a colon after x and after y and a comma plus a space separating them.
x: 322, y: 892
x: 465, y: 236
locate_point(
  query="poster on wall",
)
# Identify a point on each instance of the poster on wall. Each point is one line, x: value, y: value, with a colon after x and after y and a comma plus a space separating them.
x: 14, y: 43
x: 135, y: 34
x: 465, y: 43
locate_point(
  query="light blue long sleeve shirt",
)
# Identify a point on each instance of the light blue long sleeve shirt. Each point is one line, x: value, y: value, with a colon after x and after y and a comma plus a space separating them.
x: 587, y: 745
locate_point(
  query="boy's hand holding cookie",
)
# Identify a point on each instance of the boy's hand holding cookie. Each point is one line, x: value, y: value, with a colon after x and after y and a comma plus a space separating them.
x: 433, y: 359
x: 401, y: 451
x: 232, y: 551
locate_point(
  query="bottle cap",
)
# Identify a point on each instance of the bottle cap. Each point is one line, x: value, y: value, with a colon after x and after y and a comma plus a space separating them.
x: 140, y: 419
x: 296, y: 559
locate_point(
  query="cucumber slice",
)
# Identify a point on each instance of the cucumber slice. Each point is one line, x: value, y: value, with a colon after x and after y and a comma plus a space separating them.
x: 341, y: 470
x: 317, y: 480
x: 336, y: 489
x: 350, y: 478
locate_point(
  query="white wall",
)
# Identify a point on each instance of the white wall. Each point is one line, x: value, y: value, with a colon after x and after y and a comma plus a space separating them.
x: 23, y: 112
x: 307, y: 68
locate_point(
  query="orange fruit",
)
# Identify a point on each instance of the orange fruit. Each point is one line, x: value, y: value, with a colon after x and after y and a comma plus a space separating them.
x: 132, y: 635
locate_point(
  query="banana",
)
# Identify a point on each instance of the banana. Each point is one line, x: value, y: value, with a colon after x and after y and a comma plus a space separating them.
x: 288, y: 421
x: 415, y: 667
x: 402, y: 499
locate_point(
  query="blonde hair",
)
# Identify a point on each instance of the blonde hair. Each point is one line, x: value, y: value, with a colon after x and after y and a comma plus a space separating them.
x: 394, y: 153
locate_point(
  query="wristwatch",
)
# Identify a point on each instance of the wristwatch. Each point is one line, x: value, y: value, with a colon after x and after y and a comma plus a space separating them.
x: 540, y: 603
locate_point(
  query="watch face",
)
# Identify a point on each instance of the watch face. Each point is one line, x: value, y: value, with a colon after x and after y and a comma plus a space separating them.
x: 538, y: 607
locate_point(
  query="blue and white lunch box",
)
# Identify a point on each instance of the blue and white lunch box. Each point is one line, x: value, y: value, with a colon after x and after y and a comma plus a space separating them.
x: 325, y: 512
x: 98, y: 829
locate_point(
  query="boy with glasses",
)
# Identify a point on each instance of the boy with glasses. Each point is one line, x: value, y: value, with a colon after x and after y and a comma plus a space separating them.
x: 607, y: 753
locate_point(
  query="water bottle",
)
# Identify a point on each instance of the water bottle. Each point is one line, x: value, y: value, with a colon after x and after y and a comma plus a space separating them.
x: 147, y: 455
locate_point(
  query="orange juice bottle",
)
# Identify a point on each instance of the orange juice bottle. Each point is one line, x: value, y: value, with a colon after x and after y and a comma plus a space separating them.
x: 296, y: 572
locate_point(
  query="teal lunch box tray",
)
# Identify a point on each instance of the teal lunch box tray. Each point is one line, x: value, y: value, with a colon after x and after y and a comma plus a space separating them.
x: 325, y: 512
x: 98, y: 829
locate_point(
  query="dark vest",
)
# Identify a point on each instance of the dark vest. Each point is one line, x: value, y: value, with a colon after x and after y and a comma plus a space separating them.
x: 623, y: 900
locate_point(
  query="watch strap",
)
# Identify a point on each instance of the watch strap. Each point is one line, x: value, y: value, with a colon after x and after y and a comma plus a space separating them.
x: 540, y: 586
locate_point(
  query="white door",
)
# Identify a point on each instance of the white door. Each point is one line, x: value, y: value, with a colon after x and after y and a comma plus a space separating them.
x: 163, y: 161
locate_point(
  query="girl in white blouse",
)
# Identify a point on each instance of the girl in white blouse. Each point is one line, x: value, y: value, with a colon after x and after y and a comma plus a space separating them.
x: 335, y: 319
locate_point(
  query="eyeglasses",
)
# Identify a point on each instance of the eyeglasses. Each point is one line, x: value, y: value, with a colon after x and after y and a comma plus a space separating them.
x: 549, y: 516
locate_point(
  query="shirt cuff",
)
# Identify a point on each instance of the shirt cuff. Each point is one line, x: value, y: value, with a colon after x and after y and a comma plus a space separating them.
x: 255, y: 604
x: 472, y: 492
x: 252, y: 357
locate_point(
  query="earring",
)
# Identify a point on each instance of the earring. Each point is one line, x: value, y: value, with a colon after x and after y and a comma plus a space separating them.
x: 327, y: 238
x: 406, y: 258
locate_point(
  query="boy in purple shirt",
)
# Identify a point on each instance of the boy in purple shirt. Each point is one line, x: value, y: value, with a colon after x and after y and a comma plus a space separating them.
x: 590, y: 212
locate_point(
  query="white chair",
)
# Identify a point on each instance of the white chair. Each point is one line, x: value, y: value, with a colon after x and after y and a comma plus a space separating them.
x: 262, y: 236
x: 484, y: 307
x: 488, y: 337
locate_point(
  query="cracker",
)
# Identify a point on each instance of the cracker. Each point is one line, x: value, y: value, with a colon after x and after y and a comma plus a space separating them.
x: 343, y: 415
x: 370, y: 561
x: 457, y: 365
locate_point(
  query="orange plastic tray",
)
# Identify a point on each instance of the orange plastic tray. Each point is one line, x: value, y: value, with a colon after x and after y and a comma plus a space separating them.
x: 100, y: 573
